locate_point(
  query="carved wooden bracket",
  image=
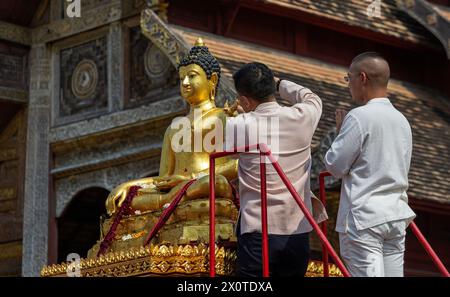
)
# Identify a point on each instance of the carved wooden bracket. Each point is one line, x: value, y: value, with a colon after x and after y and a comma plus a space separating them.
x: 430, y: 18
x: 175, y: 48
x: 15, y: 33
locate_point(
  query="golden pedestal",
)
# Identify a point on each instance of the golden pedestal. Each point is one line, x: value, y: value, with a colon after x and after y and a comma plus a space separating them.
x: 189, y: 224
x: 156, y: 260
x: 163, y: 260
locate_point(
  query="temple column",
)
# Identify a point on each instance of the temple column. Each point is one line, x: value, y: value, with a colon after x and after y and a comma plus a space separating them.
x: 115, y: 64
x: 36, y: 192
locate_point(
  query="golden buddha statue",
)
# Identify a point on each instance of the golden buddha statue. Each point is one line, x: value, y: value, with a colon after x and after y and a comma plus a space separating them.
x: 199, y: 75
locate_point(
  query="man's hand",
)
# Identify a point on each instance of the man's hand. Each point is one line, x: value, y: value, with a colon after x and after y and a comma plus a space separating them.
x: 339, y: 115
x: 234, y: 109
x: 239, y: 108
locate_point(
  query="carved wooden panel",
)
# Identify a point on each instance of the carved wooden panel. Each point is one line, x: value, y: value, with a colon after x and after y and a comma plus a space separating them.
x: 8, y: 168
x: 12, y: 67
x: 12, y: 155
x: 151, y: 75
x: 83, y: 78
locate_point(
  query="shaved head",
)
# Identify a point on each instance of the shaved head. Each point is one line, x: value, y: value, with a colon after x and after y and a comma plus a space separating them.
x: 374, y: 66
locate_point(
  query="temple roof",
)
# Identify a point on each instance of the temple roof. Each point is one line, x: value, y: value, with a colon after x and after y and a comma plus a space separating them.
x: 427, y: 111
x: 391, y: 21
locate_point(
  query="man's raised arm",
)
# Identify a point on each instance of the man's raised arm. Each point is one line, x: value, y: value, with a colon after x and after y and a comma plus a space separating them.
x: 302, y: 98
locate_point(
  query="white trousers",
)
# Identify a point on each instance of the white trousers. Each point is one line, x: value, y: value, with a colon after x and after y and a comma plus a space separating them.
x: 376, y: 251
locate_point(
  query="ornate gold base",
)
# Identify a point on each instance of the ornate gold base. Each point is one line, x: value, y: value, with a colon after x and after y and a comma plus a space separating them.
x: 164, y: 260
x: 315, y: 269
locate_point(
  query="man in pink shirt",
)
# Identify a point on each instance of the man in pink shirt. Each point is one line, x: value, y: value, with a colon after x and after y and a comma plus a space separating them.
x: 290, y: 142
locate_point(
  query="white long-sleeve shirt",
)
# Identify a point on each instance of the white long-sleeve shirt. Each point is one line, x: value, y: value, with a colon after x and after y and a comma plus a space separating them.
x: 372, y: 155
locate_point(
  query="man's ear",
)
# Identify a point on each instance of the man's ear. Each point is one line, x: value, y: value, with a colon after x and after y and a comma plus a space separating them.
x: 245, y: 103
x: 363, y: 77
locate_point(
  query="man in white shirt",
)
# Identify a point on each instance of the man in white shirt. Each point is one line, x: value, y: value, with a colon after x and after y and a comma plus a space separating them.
x: 290, y: 142
x: 372, y: 155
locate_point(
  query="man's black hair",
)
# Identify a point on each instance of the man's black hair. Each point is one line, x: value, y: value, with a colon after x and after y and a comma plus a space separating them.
x: 201, y: 56
x: 255, y: 80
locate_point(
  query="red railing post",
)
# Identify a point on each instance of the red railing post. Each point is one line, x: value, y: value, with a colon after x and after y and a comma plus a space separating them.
x: 429, y: 250
x: 308, y: 216
x: 212, y: 204
x: 265, y: 240
x: 323, y: 199
x: 212, y: 215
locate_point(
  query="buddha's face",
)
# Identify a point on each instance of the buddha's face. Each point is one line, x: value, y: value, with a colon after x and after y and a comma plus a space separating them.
x: 195, y: 86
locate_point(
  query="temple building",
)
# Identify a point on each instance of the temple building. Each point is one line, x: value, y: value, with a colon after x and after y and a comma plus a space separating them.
x: 85, y: 100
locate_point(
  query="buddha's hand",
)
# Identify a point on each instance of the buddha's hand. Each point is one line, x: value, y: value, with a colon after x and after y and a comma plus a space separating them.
x: 116, y: 198
x: 168, y: 182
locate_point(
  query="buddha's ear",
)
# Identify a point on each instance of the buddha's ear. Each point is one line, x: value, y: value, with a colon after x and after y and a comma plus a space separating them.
x: 214, y: 78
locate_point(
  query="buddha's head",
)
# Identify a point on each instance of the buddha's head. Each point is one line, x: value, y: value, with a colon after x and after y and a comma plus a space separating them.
x: 199, y: 75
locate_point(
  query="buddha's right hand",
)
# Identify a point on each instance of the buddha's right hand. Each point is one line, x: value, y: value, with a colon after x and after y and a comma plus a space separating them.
x: 116, y: 198
x: 119, y: 194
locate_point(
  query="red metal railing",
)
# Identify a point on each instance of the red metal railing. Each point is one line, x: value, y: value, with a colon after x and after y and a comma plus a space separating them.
x: 322, y: 196
x: 413, y: 226
x: 321, y: 231
x: 429, y: 250
x: 264, y: 153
